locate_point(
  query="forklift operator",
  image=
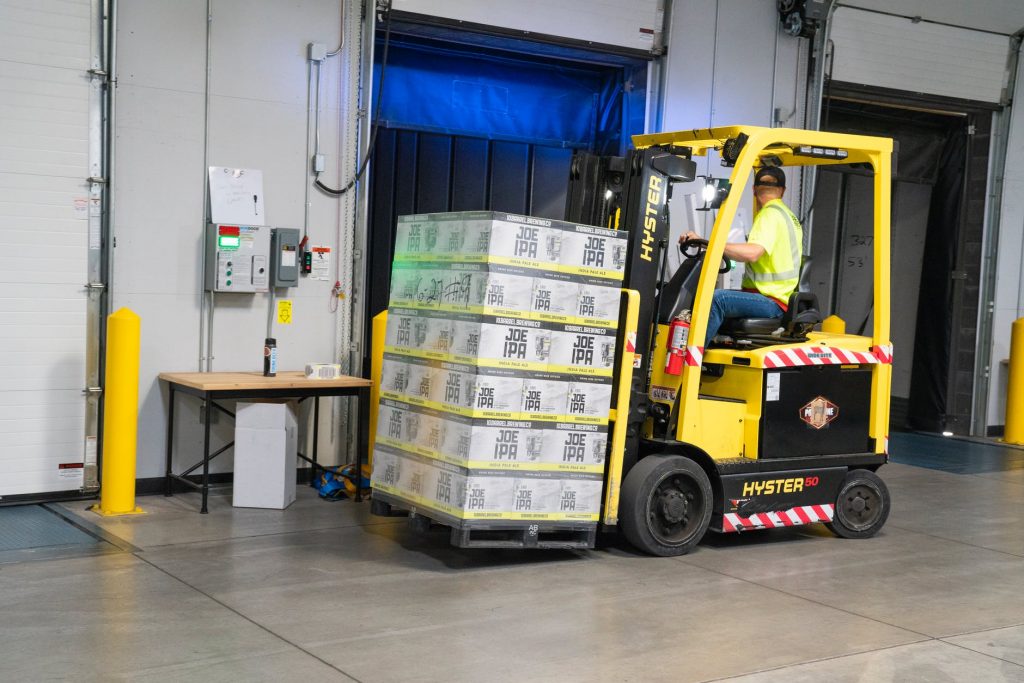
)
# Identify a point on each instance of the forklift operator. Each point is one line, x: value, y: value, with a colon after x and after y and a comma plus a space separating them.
x: 772, y: 255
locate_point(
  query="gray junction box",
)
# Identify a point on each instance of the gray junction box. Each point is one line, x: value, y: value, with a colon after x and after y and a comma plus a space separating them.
x: 237, y: 258
x: 284, y: 257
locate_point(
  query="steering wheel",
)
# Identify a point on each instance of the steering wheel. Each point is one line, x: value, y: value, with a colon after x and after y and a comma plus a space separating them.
x: 695, y: 248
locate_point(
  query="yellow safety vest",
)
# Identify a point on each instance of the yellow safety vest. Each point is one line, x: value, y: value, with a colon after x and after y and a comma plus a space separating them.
x: 777, y: 273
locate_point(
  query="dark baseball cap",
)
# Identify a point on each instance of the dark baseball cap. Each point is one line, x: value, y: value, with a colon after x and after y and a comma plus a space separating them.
x: 772, y: 174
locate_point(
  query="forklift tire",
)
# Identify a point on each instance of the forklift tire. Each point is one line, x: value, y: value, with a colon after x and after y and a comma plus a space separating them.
x: 665, y: 505
x: 862, y: 506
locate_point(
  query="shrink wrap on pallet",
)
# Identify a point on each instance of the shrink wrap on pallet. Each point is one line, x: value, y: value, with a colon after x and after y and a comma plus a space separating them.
x: 496, y: 384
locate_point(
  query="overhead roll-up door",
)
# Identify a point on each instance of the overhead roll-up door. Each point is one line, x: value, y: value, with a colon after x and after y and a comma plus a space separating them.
x: 49, y: 132
x: 894, y: 52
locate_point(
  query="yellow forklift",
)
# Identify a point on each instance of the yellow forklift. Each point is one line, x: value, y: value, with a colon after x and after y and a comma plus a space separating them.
x: 775, y: 424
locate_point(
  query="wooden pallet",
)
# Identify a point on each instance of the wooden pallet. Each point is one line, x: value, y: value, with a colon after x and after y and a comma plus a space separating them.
x: 490, y: 534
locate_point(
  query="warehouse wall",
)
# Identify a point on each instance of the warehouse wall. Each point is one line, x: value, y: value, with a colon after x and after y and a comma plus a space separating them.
x: 728, y: 64
x: 1008, y: 303
x: 257, y: 120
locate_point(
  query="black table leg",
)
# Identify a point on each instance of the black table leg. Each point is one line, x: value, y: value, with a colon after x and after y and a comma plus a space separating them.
x: 207, y: 407
x: 316, y: 439
x: 362, y: 438
x: 168, y: 482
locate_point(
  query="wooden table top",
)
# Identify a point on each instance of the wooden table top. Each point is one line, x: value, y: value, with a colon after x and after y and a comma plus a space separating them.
x: 234, y: 381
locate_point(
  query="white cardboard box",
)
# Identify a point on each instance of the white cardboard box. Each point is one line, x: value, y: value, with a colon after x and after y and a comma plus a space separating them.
x: 266, y: 440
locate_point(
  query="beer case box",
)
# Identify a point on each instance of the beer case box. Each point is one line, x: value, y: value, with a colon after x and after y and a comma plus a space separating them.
x: 583, y: 350
x: 492, y: 444
x: 473, y: 391
x: 429, y: 236
x: 512, y: 238
x: 559, y: 497
x: 570, y: 446
x: 555, y: 299
x: 589, y: 401
x: 503, y: 342
x: 496, y: 444
x: 544, y: 398
x: 453, y: 490
x: 598, y: 305
x: 461, y: 287
x: 420, y: 332
x: 535, y: 495
x: 412, y: 428
x: 413, y: 381
x: 498, y: 290
x: 580, y: 497
x: 591, y: 250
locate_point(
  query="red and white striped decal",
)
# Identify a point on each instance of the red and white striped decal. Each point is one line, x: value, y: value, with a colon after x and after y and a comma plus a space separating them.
x: 806, y: 514
x: 883, y: 353
x: 694, y: 355
x: 825, y: 355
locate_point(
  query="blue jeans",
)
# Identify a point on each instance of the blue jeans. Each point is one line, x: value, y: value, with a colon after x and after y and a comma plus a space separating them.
x: 730, y: 303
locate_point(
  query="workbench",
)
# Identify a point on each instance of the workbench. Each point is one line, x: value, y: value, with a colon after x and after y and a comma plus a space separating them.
x: 213, y: 386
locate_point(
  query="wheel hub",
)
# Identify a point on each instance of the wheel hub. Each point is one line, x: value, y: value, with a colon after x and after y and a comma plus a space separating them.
x: 860, y: 507
x: 674, y: 506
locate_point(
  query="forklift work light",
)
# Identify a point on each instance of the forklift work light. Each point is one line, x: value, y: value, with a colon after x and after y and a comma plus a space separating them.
x: 714, y: 192
x: 820, y: 152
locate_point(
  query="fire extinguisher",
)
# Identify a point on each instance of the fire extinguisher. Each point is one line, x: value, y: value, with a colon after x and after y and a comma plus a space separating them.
x: 678, y: 334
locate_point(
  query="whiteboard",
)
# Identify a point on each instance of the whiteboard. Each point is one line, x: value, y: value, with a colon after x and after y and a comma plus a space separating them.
x: 236, y: 195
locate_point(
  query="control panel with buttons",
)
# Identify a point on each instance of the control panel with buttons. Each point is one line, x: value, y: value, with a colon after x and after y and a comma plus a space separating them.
x: 237, y: 258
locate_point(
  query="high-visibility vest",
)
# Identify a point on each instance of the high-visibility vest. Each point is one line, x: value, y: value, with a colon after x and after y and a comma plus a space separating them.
x: 777, y: 273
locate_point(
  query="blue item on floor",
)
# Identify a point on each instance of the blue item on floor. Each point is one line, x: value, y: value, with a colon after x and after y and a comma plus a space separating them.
x: 338, y: 484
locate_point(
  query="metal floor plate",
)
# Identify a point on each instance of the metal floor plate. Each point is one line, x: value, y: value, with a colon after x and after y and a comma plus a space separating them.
x: 955, y: 455
x: 32, y: 526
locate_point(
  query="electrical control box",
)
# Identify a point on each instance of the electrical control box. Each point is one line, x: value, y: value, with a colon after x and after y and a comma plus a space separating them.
x: 284, y: 257
x: 237, y: 258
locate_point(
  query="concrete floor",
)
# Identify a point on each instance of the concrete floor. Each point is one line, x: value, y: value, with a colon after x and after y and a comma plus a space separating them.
x: 325, y: 592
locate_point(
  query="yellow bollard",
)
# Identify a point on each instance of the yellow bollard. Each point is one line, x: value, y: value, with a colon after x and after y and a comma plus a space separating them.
x: 833, y: 325
x: 377, y: 334
x: 120, y: 416
x: 1015, y: 386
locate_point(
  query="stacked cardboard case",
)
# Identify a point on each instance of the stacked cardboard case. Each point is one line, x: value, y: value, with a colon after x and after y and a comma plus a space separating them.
x: 497, y: 369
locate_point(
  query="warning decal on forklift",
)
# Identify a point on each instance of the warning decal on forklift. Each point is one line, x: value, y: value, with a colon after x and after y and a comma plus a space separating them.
x: 772, y: 382
x: 819, y: 412
x: 804, y: 514
x: 821, y: 355
x: 664, y: 394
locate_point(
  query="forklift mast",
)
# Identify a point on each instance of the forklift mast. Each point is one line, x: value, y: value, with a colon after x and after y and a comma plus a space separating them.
x: 632, y: 193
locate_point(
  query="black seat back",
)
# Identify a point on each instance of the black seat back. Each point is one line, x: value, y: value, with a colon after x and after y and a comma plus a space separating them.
x: 802, y: 314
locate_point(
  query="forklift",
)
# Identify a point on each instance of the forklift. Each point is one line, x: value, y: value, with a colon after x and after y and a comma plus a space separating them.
x: 774, y: 424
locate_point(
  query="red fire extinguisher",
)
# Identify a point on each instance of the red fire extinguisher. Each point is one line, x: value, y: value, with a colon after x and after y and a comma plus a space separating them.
x: 678, y: 334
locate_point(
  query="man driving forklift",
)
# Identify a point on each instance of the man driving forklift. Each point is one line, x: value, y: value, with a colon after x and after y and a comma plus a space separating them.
x: 772, y: 254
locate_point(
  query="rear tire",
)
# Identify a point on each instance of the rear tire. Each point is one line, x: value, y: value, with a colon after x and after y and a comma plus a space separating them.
x: 862, y: 506
x: 665, y: 505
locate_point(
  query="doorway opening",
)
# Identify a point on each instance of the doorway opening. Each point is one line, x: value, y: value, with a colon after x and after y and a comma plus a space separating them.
x: 938, y: 197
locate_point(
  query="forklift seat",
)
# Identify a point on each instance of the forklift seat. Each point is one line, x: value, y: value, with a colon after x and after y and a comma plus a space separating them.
x: 793, y: 326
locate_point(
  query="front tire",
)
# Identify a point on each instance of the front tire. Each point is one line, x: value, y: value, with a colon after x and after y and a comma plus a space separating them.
x: 665, y: 505
x: 862, y: 506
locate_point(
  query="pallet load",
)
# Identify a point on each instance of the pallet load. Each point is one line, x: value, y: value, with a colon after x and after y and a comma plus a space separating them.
x: 496, y: 383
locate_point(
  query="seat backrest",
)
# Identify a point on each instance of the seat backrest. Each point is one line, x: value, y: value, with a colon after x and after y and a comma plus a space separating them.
x: 802, y: 313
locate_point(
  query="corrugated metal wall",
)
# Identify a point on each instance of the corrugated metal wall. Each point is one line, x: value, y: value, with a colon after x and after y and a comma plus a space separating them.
x: 625, y: 23
x: 895, y: 52
x: 45, y: 55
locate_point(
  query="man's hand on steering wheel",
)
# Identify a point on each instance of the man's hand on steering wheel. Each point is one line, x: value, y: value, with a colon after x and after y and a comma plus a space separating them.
x: 692, y: 245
